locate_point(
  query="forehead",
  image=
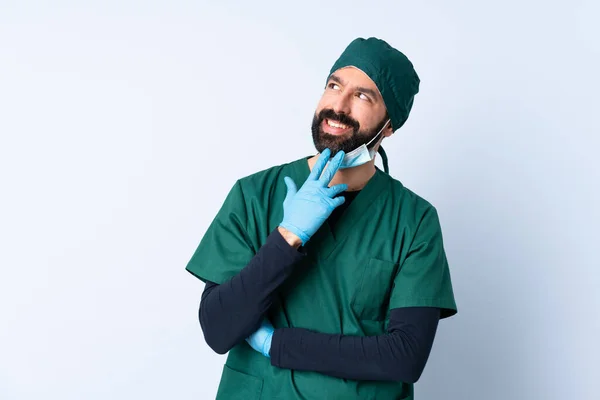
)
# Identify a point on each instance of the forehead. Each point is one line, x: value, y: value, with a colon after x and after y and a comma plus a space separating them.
x: 352, y: 76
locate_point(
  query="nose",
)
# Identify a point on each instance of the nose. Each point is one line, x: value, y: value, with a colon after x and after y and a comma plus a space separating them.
x: 341, y: 105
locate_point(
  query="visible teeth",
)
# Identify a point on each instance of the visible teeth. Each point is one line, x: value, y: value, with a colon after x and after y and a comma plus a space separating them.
x: 336, y: 125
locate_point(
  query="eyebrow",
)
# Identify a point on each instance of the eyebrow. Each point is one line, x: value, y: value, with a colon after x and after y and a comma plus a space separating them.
x: 364, y: 90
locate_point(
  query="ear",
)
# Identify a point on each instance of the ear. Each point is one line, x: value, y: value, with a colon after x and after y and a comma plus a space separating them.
x: 387, y: 131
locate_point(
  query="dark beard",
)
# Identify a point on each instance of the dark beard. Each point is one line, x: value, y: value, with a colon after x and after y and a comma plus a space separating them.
x: 348, y: 142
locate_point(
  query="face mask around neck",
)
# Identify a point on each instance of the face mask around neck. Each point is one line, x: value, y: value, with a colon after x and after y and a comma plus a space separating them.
x: 362, y: 154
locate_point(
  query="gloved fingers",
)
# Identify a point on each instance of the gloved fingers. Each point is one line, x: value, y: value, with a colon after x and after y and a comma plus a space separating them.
x: 319, y: 165
x: 267, y: 345
x: 332, y: 168
x: 291, y: 187
x: 338, y: 201
x: 336, y: 189
x: 263, y: 345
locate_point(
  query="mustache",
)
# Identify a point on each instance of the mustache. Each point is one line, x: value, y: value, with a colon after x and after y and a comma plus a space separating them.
x: 342, y: 118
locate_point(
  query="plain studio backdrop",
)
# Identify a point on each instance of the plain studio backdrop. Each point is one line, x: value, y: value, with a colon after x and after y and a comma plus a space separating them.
x: 124, y: 124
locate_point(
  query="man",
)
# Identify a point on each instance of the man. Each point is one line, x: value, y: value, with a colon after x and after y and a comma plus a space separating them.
x: 325, y: 277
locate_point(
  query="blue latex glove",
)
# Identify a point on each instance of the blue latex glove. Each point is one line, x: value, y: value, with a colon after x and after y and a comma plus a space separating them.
x: 261, y: 339
x: 305, y: 210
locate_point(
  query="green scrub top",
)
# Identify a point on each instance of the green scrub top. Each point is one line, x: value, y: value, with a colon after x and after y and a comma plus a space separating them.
x: 384, y: 252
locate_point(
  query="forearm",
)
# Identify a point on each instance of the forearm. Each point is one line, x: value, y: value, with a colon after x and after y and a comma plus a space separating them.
x: 230, y: 312
x: 399, y: 355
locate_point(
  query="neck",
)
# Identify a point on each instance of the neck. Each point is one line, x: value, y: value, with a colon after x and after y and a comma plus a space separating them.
x: 356, y: 177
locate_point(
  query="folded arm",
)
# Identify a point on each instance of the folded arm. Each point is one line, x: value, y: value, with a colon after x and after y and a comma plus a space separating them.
x: 230, y: 312
x: 399, y: 355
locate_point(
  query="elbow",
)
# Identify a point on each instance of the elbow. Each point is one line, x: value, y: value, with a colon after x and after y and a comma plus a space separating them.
x: 218, y: 348
x: 405, y: 376
x: 408, y: 372
x: 412, y: 377
x: 216, y: 341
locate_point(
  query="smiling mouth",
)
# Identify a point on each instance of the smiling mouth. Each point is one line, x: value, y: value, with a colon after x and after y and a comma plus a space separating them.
x: 336, y: 125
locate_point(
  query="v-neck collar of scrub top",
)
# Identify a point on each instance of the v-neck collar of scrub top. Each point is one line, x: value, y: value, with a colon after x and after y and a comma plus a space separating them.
x: 326, y: 237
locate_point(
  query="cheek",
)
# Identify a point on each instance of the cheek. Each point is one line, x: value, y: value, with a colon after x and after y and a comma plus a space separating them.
x: 326, y: 101
x: 320, y: 106
x: 363, y: 115
x: 368, y: 117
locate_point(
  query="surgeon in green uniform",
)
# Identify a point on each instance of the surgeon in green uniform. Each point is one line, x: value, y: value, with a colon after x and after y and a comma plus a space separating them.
x: 313, y: 267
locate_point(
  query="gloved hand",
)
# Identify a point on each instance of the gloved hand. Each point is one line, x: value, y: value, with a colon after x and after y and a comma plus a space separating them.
x: 305, y: 210
x: 261, y: 339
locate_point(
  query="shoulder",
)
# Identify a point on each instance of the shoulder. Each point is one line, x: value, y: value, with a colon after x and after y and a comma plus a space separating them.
x: 412, y: 206
x: 408, y: 197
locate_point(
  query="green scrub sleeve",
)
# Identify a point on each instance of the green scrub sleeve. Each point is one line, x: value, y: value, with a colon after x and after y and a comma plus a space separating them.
x: 423, y: 279
x: 225, y: 247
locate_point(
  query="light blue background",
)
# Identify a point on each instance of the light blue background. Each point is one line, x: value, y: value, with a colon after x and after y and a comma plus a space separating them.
x: 124, y: 124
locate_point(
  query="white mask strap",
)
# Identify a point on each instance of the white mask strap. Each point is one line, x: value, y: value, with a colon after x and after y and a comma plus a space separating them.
x: 378, y: 133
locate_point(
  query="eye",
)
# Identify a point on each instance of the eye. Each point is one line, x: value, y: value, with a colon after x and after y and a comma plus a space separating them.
x: 363, y: 96
x: 333, y: 86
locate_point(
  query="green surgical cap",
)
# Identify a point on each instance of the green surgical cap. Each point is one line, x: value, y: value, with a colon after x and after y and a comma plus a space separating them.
x: 392, y: 72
